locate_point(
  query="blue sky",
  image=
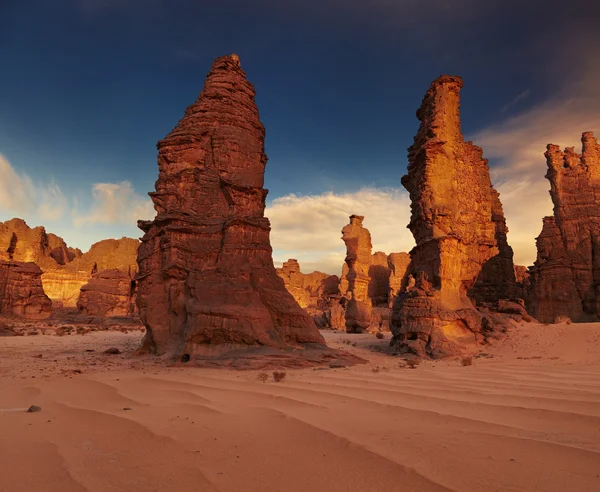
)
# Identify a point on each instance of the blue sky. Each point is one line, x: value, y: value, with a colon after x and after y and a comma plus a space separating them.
x: 88, y: 87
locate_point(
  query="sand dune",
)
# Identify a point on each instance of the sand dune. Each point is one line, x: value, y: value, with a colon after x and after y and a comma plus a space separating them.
x: 525, y: 417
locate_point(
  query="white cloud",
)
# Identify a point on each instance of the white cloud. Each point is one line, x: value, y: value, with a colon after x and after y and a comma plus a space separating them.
x: 19, y: 195
x: 45, y: 203
x: 115, y: 203
x: 308, y: 228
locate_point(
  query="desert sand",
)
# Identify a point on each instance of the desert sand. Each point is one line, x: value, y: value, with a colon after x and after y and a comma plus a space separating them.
x: 524, y: 417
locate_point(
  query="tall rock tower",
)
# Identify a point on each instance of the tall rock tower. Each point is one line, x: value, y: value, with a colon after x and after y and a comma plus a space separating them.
x: 457, y: 221
x: 207, y: 283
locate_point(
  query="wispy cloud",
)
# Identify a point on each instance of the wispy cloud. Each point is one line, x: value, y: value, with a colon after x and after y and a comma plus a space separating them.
x: 115, y: 203
x: 112, y: 203
x: 21, y: 196
x: 308, y: 228
x: 520, y: 97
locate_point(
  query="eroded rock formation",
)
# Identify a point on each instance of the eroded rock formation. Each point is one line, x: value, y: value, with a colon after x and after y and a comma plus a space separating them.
x: 565, y: 279
x: 63, y: 284
x: 459, y: 229
x: 21, y: 291
x: 309, y: 289
x: 358, y: 259
x: 65, y: 269
x: 398, y: 264
x: 379, y: 279
x: 206, y: 281
x: 109, y: 293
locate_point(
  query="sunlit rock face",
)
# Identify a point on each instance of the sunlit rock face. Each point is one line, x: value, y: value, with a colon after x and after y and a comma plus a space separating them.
x: 461, y: 256
x: 358, y: 259
x: 21, y: 291
x: 368, y: 281
x: 206, y: 279
x: 309, y: 289
x: 565, y: 279
x: 65, y: 270
x: 109, y: 293
x: 399, y: 267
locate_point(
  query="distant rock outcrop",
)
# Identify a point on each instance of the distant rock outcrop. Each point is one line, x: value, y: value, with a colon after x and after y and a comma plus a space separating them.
x: 206, y: 281
x: 379, y: 279
x: 398, y: 264
x: 108, y: 293
x: 565, y: 279
x: 373, y: 281
x: 309, y: 289
x: 317, y: 293
x: 65, y: 270
x: 358, y: 258
x: 460, y: 232
x: 21, y: 291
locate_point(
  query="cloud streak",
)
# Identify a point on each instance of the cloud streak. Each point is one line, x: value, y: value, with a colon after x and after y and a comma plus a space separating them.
x: 520, y: 97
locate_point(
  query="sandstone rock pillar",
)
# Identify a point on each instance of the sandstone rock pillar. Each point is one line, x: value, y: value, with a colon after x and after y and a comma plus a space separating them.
x: 358, y: 259
x: 206, y: 281
x: 459, y: 229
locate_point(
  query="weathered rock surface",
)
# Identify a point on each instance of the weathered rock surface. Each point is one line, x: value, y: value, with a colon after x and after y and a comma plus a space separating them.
x: 21, y: 291
x: 206, y: 282
x: 565, y: 279
x: 460, y: 232
x: 398, y: 264
x: 358, y: 259
x: 311, y: 290
x: 385, y: 276
x: 63, y: 284
x: 379, y: 279
x: 109, y: 293
x: 65, y: 269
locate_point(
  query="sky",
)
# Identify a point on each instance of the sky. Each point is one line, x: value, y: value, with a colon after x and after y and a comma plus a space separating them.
x: 87, y: 88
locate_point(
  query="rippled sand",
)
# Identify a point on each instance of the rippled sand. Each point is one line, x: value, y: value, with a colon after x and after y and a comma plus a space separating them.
x: 525, y: 419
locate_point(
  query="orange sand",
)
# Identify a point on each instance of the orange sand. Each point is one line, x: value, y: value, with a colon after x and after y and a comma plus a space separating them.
x: 526, y: 419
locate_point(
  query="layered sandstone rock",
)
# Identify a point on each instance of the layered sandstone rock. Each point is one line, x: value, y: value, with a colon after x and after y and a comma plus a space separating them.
x: 309, y: 289
x: 459, y: 229
x: 552, y: 292
x: 379, y: 279
x: 317, y: 293
x: 565, y: 279
x: 522, y: 278
x: 398, y: 265
x: 358, y: 259
x: 65, y: 269
x: 206, y: 281
x: 108, y: 293
x: 63, y: 284
x: 21, y: 291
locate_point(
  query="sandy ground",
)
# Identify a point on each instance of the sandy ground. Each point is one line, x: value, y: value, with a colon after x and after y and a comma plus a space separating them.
x: 524, y: 417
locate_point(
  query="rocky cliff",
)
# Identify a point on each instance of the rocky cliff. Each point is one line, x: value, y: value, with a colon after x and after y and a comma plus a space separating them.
x: 21, y: 291
x: 399, y: 266
x: 109, y: 293
x: 65, y: 269
x: 206, y: 281
x: 565, y: 279
x: 311, y: 290
x: 459, y: 229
